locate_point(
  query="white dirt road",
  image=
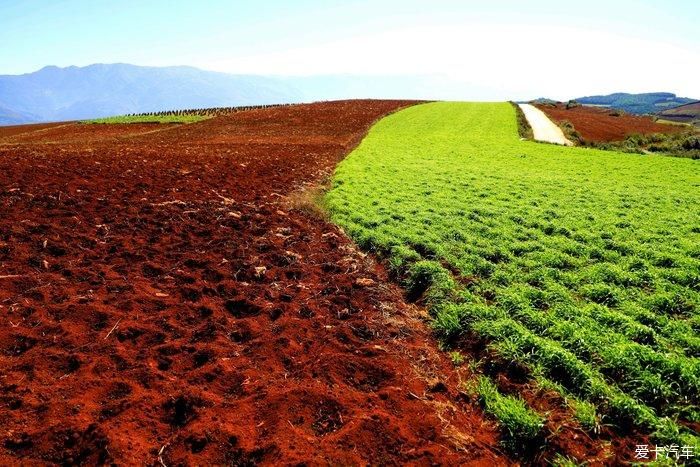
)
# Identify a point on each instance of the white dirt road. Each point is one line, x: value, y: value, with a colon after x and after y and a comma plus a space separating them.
x: 542, y: 127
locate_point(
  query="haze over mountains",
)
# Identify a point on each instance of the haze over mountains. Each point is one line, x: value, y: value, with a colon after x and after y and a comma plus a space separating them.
x: 101, y: 90
x: 72, y: 93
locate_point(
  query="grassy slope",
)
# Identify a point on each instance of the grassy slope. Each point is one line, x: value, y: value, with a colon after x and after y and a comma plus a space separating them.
x: 583, y: 264
x: 187, y: 118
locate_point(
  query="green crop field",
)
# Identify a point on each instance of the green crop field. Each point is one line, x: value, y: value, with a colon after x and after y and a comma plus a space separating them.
x: 184, y: 118
x: 581, y: 265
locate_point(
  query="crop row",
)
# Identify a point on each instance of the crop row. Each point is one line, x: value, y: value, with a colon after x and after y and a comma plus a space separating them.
x: 206, y: 112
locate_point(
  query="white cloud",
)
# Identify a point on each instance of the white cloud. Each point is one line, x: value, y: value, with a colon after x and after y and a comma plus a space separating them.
x: 499, y: 60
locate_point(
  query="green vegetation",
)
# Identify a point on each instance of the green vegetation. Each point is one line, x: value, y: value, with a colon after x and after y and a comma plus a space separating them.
x: 522, y: 424
x: 581, y: 265
x: 684, y: 144
x: 184, y: 118
x: 457, y: 358
x: 524, y: 128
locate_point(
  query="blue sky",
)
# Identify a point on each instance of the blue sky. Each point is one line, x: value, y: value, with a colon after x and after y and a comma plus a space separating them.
x: 490, y: 49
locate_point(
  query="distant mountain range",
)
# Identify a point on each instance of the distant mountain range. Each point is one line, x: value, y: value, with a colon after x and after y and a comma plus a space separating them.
x: 101, y: 90
x: 646, y: 103
x: 72, y: 93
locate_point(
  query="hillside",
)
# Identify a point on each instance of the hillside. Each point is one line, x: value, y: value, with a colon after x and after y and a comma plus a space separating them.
x: 650, y: 102
x: 688, y: 113
x: 598, y: 124
x: 100, y: 90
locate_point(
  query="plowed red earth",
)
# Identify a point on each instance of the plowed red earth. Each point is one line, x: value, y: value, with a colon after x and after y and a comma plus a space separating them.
x: 162, y: 304
x: 12, y: 130
x: 598, y: 125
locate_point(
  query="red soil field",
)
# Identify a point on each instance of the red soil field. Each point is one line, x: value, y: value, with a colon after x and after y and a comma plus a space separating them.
x: 596, y: 124
x: 12, y: 130
x: 82, y: 133
x: 163, y: 304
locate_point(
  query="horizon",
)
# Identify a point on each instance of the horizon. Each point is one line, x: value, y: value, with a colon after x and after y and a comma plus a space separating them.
x: 495, y: 52
x: 590, y: 94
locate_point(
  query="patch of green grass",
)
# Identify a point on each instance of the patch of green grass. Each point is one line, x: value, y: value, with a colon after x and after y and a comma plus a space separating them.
x: 185, y: 118
x: 520, y: 424
x: 563, y: 461
x: 524, y: 128
x: 583, y: 265
x: 457, y: 358
x: 583, y: 411
x: 682, y: 144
